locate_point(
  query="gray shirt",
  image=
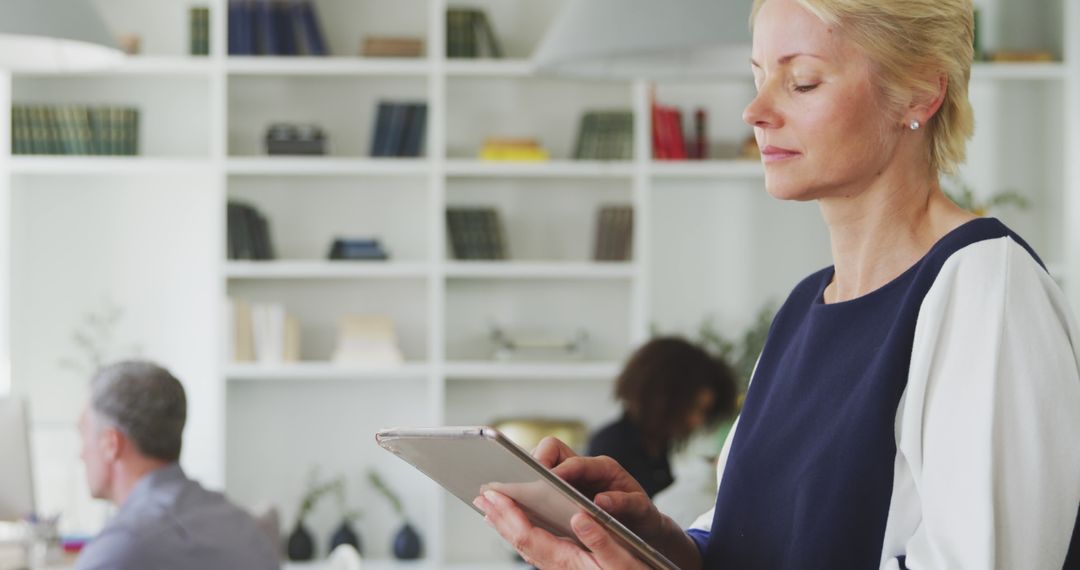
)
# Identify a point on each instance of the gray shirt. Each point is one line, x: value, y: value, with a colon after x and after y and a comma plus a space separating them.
x: 170, y: 522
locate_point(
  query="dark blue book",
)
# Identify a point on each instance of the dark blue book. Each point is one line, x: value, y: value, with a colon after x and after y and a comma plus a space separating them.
x: 286, y: 33
x: 381, y: 133
x: 415, y: 130
x: 313, y: 39
x: 266, y: 42
x: 234, y: 27
x: 395, y: 131
x: 246, y: 28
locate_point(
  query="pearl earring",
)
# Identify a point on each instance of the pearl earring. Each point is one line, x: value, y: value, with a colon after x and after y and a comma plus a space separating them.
x: 915, y: 124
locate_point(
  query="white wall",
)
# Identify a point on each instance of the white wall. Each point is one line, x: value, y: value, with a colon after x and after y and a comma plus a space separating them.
x: 147, y: 245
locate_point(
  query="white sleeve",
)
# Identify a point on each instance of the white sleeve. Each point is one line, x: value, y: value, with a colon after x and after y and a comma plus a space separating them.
x: 988, y: 470
x: 704, y: 522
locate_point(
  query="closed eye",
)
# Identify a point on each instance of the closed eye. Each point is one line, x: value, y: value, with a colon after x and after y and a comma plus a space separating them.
x: 806, y: 88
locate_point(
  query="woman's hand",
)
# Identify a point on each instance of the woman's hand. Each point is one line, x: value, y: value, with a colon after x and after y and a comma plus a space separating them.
x: 543, y: 550
x: 609, y: 486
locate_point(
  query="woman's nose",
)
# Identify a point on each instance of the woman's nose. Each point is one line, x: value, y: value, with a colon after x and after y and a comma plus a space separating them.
x: 761, y: 112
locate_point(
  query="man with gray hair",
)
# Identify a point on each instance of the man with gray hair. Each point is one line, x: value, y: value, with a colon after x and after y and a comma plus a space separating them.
x: 131, y: 436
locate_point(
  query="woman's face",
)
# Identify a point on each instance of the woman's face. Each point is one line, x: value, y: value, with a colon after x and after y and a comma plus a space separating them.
x: 824, y: 130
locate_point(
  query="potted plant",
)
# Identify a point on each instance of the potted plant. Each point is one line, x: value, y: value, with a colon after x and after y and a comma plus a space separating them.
x: 345, y: 533
x: 407, y: 542
x: 300, y: 545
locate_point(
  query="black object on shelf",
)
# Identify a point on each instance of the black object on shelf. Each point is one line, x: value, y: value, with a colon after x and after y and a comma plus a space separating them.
x: 248, y: 233
x: 475, y: 233
x: 399, y: 129
x: 286, y: 138
x: 357, y: 249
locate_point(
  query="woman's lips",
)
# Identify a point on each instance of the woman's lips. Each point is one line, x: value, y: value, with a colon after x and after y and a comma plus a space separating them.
x: 775, y: 153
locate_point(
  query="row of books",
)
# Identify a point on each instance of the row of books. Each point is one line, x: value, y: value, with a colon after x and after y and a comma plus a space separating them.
x: 262, y: 332
x: 614, y: 233
x: 265, y: 333
x: 669, y: 141
x: 477, y: 233
x: 248, y: 233
x: 275, y: 27
x: 605, y: 135
x: 74, y: 130
x: 399, y: 129
x: 199, y: 34
x: 469, y: 34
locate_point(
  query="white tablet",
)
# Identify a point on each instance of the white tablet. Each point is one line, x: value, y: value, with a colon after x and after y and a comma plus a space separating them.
x: 470, y: 460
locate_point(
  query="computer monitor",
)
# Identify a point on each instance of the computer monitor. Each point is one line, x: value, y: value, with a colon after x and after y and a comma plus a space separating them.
x: 16, y: 475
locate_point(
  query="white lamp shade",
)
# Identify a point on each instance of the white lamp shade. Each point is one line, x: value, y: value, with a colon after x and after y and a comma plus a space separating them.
x: 48, y: 35
x: 646, y: 38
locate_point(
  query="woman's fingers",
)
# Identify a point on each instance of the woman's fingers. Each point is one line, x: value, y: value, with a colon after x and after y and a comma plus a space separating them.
x: 551, y: 452
x: 606, y: 551
x: 593, y: 475
x: 539, y: 547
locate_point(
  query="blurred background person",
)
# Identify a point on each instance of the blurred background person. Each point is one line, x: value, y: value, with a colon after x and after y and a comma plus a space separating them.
x: 669, y: 390
x: 132, y: 431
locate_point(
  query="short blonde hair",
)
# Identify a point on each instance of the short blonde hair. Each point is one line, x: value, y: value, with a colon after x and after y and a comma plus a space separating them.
x: 904, y: 38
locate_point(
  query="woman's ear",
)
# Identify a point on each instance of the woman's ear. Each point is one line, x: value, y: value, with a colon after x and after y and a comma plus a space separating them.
x: 925, y: 105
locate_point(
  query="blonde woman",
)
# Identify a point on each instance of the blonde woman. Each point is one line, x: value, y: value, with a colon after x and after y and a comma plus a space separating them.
x: 917, y: 404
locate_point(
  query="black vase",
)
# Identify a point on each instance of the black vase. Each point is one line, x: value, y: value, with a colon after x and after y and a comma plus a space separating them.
x: 345, y: 535
x: 407, y: 543
x: 301, y: 546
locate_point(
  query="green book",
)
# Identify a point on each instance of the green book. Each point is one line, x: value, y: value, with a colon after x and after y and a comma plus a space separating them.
x: 18, y: 130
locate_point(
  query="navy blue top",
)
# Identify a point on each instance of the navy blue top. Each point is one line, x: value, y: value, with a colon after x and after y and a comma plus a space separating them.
x: 809, y: 476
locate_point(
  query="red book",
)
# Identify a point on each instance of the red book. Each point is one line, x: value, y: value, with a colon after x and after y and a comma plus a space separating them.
x: 659, y: 149
x: 678, y: 143
x: 701, y: 146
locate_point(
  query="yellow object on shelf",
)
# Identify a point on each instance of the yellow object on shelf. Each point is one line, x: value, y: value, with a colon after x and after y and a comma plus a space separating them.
x: 513, y: 149
x: 498, y: 153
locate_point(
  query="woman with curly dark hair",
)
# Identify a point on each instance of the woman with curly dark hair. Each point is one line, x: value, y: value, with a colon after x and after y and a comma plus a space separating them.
x: 669, y: 389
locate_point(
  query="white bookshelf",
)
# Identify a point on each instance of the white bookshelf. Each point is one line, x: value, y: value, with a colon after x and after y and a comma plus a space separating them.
x: 461, y: 168
x: 314, y: 66
x: 322, y: 371
x: 74, y: 165
x: 309, y: 269
x: 707, y: 239
x: 517, y: 372
x: 326, y: 166
x: 538, y: 270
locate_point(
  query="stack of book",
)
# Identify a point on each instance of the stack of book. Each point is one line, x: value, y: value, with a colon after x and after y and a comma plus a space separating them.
x: 275, y: 27
x: 614, y: 233
x: 262, y: 332
x: 470, y: 35
x: 248, y: 233
x: 605, y: 135
x: 498, y: 149
x: 384, y: 46
x: 399, y: 129
x: 367, y: 341
x: 200, y: 30
x: 669, y: 142
x: 74, y: 129
x: 475, y: 233
x: 362, y: 249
